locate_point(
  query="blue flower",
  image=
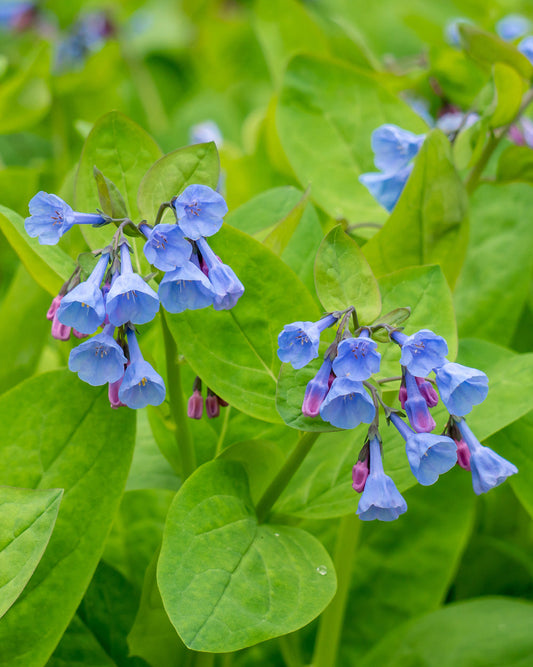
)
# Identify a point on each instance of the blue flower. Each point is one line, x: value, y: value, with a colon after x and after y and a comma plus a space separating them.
x: 51, y: 217
x: 416, y: 406
x: 316, y: 390
x: 488, y: 468
x: 451, y: 31
x: 422, y: 351
x: 386, y: 188
x: 512, y: 26
x: 83, y: 307
x: 141, y: 385
x: 357, y: 358
x: 98, y: 360
x: 429, y: 455
x: 130, y: 298
x: 380, y: 498
x: 202, y: 133
x: 166, y: 246
x: 461, y: 387
x: 185, y: 288
x: 394, y: 148
x: 526, y: 48
x: 227, y: 288
x: 199, y: 210
x: 298, y: 342
x: 347, y: 404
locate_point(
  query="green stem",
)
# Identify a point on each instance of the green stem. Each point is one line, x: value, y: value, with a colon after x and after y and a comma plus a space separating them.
x: 332, y: 619
x: 284, y: 476
x: 181, y: 432
x: 223, y: 430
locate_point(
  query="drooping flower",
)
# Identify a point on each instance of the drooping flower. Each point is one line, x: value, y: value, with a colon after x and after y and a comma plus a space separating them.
x: 347, y: 404
x: 488, y: 468
x: 386, y: 188
x: 394, y: 147
x: 380, y: 499
x: 429, y: 455
x: 513, y: 26
x: 130, y: 298
x: 317, y: 389
x: 166, y: 247
x: 227, y: 288
x: 298, y: 342
x: 200, y: 211
x: 141, y: 385
x: 98, y: 360
x: 357, y: 358
x: 83, y: 307
x: 206, y: 131
x: 422, y: 352
x: 416, y: 406
x: 185, y: 288
x: 461, y: 387
x: 51, y: 217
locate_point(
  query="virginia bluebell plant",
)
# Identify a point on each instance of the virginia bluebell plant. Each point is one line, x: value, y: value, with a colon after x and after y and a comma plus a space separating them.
x: 115, y: 298
x: 343, y: 394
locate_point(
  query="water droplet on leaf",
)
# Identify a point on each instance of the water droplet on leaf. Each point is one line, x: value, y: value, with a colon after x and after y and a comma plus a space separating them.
x: 322, y: 569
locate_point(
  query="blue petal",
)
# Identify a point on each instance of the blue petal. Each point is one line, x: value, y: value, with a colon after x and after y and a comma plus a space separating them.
x: 430, y: 455
x: 461, y: 387
x: 130, y: 299
x: 141, y: 386
x: 167, y: 248
x: 380, y: 499
x: 200, y: 211
x: 83, y: 308
x: 98, y: 360
x: 186, y: 288
x: 422, y: 352
x: 298, y: 343
x: 386, y: 188
x: 357, y: 358
x: 489, y: 469
x: 227, y: 287
x: 394, y: 147
x: 512, y: 26
x: 347, y: 404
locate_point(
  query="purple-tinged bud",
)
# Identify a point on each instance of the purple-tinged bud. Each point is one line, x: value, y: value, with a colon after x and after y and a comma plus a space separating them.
x: 402, y: 395
x: 195, y: 406
x: 78, y: 334
x: 212, y: 406
x: 428, y: 392
x: 416, y: 407
x: 360, y: 473
x: 222, y: 402
x: 54, y: 307
x: 316, y: 390
x: 463, y: 454
x: 112, y: 393
x: 60, y: 331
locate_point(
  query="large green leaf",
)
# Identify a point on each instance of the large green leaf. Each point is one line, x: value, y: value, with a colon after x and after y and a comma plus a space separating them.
x: 234, y: 352
x: 343, y: 277
x: 79, y: 648
x: 428, y: 224
x: 508, y: 90
x: 488, y: 631
x: 326, y: 114
x: 56, y: 431
x: 27, y: 519
x: 48, y: 265
x: 172, y: 173
x: 227, y: 582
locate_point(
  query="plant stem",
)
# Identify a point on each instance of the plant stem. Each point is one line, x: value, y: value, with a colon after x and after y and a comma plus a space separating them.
x: 223, y: 430
x: 332, y: 620
x: 280, y: 481
x: 181, y: 432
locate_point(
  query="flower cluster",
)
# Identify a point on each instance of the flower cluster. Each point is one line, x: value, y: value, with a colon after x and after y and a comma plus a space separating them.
x: 116, y: 298
x: 341, y: 394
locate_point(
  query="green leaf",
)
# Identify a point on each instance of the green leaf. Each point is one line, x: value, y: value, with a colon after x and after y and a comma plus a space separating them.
x: 56, y: 431
x: 79, y: 648
x: 343, y: 277
x: 428, y: 224
x: 27, y: 519
x: 499, y: 633
x: 515, y: 164
x: 235, y: 351
x: 277, y: 239
x: 487, y: 49
x: 48, y: 265
x: 244, y: 582
x: 111, y: 200
x: 326, y: 114
x: 508, y: 90
x: 172, y: 173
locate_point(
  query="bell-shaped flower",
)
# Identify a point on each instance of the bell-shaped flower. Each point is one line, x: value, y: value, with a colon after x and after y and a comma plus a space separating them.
x: 130, y: 298
x: 185, y: 288
x: 51, y: 217
x: 488, y: 468
x: 416, y: 406
x: 347, y: 404
x: 357, y: 358
x: 227, y: 288
x: 206, y: 131
x: 98, y: 360
x: 429, y: 455
x: 513, y: 26
x: 141, y: 385
x: 422, y: 352
x: 380, y: 499
x: 386, y: 188
x: 83, y: 307
x: 461, y: 387
x: 316, y: 390
x: 394, y: 147
x: 298, y: 342
x: 166, y: 246
x: 200, y: 211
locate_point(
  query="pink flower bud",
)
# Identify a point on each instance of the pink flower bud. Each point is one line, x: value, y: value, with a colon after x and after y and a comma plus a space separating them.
x: 359, y: 474
x: 54, y: 306
x: 112, y: 392
x: 195, y: 406
x: 60, y: 331
x: 463, y: 454
x: 212, y: 406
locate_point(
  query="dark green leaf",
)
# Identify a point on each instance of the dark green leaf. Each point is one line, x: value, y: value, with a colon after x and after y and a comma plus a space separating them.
x: 516, y: 164
x: 79, y: 648
x: 111, y: 201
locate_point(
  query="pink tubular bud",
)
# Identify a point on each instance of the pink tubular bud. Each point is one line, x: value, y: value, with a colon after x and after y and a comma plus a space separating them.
x: 54, y: 307
x: 359, y: 475
x: 112, y: 392
x: 212, y: 406
x: 195, y: 406
x: 402, y: 396
x: 463, y: 454
x: 428, y: 392
x: 60, y: 331
x: 78, y: 334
